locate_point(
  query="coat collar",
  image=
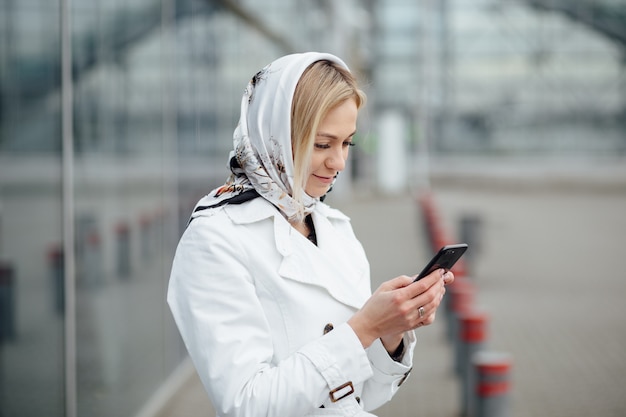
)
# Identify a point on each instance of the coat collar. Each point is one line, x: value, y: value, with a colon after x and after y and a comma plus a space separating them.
x: 338, y: 264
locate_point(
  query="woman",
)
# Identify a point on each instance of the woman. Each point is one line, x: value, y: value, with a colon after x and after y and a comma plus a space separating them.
x: 269, y: 287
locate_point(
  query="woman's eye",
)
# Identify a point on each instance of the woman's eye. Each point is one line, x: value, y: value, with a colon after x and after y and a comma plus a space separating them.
x: 322, y: 146
x: 328, y: 146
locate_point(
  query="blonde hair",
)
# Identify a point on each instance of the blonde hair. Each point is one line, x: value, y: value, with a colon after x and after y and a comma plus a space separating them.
x: 322, y: 86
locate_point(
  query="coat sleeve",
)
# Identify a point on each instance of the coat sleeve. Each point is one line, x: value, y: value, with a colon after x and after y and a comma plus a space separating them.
x: 213, y: 300
x: 388, y: 375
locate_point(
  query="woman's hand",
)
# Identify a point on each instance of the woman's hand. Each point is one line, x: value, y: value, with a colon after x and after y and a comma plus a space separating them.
x: 394, y: 308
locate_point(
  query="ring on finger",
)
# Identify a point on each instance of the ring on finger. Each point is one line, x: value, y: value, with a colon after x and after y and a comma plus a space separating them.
x: 421, y: 311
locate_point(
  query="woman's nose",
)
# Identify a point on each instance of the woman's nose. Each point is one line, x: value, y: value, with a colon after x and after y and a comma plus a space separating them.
x: 336, y: 161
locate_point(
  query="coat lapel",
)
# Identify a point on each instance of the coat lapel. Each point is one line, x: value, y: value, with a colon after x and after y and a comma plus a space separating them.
x: 338, y: 264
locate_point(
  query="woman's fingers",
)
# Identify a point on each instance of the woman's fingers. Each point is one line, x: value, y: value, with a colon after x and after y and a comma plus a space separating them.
x: 418, y: 287
x: 400, y: 304
x: 428, y: 303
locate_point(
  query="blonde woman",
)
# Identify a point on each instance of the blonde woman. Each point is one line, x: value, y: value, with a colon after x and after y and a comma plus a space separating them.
x: 270, y: 288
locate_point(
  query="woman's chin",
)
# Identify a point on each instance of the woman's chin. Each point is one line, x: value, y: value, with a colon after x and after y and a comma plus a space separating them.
x: 317, y: 193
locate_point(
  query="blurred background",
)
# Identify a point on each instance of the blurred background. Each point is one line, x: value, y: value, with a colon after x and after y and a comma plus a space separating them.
x: 116, y: 116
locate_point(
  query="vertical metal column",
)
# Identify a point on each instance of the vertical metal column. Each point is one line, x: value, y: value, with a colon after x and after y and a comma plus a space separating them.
x: 442, y: 124
x: 68, y: 208
x: 169, y: 114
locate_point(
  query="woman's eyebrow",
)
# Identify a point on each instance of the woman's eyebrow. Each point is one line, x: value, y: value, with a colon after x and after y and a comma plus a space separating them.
x: 331, y: 136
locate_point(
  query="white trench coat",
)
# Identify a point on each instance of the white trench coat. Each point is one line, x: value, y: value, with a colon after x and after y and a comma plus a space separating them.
x: 252, y: 298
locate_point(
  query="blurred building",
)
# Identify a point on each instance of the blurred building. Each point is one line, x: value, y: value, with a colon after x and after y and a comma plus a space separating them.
x: 115, y: 116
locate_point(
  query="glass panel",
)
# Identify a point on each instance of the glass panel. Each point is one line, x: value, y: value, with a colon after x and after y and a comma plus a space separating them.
x: 125, y: 202
x: 31, y: 268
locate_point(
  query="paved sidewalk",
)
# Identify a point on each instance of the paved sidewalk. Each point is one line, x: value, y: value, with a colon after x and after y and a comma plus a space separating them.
x: 551, y: 275
x: 549, y: 272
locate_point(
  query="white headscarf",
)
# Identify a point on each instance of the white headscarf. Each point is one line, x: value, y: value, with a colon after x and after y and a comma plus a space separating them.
x: 262, y: 160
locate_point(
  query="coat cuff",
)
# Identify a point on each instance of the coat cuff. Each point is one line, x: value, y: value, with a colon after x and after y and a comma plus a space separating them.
x: 387, y: 370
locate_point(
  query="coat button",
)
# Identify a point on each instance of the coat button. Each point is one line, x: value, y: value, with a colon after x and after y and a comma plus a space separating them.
x: 328, y: 328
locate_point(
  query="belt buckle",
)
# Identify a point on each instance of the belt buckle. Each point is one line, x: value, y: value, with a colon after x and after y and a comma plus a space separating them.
x: 341, y: 391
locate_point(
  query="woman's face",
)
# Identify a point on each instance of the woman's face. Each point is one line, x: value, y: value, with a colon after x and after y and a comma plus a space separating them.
x: 330, y: 150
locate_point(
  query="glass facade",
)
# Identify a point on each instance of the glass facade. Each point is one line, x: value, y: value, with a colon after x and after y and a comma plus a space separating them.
x: 155, y: 88
x: 31, y: 275
x: 542, y: 80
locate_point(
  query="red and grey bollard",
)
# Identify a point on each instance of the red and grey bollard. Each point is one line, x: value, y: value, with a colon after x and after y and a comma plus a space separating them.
x: 492, y: 384
x: 122, y: 232
x: 57, y: 275
x: 92, y: 260
x: 470, y: 226
x: 7, y: 301
x: 472, y: 335
x: 146, y: 236
x: 461, y: 294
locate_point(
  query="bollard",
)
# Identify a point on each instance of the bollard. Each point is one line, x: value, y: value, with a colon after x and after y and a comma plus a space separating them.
x: 461, y: 297
x: 57, y: 276
x: 424, y: 218
x: 122, y: 233
x: 432, y: 223
x: 92, y: 260
x: 470, y: 227
x: 146, y: 236
x: 491, y: 384
x: 7, y: 301
x: 435, y: 232
x: 472, y: 338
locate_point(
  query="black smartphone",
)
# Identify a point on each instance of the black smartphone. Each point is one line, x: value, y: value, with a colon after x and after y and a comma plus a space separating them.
x: 445, y: 258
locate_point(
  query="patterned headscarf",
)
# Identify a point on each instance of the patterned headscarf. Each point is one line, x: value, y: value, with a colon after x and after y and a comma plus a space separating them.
x: 261, y: 163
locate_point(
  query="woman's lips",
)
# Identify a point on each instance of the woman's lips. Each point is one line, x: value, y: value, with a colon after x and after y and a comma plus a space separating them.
x: 325, y: 180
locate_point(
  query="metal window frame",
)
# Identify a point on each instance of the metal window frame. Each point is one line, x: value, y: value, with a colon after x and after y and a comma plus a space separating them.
x: 67, y: 162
